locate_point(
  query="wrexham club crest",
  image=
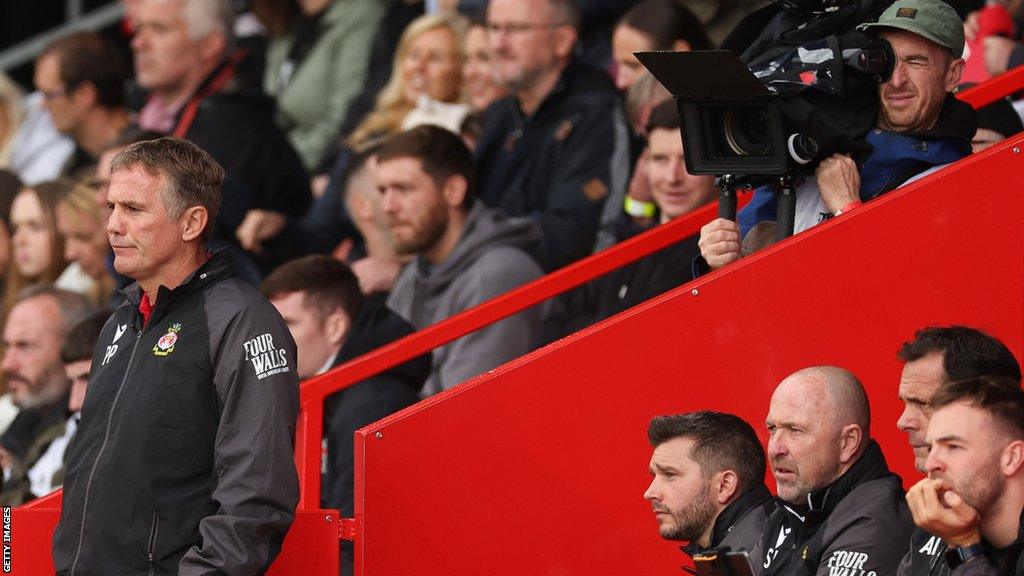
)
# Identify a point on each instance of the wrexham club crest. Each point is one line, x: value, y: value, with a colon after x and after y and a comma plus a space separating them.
x: 165, y: 345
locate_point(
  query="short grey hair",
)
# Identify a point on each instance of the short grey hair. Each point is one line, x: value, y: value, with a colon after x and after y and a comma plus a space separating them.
x: 191, y: 177
x: 204, y: 17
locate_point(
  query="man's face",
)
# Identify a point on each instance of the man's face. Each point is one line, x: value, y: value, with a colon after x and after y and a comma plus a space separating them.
x: 920, y: 380
x: 147, y: 246
x: 58, y: 99
x: 965, y: 450
x: 416, y: 211
x: 308, y: 328
x: 31, y: 362
x: 164, y: 54
x: 679, y: 493
x: 78, y: 373
x: 675, y: 190
x: 525, y: 47
x: 85, y: 240
x: 803, y: 444
x: 912, y: 99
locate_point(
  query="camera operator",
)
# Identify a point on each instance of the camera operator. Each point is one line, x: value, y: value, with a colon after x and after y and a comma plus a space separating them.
x: 920, y: 126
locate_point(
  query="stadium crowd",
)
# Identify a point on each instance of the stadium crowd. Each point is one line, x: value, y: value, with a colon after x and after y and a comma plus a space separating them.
x: 388, y: 164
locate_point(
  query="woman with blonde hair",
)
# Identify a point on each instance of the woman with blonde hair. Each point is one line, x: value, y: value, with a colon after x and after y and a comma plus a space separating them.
x: 427, y: 65
x: 81, y: 225
x: 37, y: 249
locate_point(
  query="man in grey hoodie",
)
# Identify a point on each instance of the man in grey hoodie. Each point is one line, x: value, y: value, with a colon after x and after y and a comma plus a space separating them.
x: 465, y: 253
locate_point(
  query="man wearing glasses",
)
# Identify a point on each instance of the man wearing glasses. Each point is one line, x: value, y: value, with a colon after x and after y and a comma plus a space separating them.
x: 556, y: 147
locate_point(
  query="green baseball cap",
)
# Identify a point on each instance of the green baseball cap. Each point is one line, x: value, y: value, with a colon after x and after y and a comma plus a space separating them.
x: 932, y: 19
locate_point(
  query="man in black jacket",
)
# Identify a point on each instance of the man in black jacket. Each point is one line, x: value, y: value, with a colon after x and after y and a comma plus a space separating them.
x: 183, y: 462
x: 973, y: 497
x: 556, y: 148
x: 332, y: 323
x: 934, y: 359
x: 708, y: 481
x: 184, y: 57
x: 840, y: 510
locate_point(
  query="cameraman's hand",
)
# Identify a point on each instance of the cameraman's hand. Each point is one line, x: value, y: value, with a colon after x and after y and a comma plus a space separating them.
x: 720, y: 242
x: 838, y: 181
x: 940, y: 511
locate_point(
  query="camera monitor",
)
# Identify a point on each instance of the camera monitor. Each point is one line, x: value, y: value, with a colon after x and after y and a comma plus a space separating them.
x: 731, y: 124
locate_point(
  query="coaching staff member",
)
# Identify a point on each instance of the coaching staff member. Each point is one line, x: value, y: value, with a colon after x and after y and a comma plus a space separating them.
x: 183, y: 463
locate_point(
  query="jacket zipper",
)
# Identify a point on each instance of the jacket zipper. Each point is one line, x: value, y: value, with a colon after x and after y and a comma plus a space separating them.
x: 99, y: 454
x: 152, y: 541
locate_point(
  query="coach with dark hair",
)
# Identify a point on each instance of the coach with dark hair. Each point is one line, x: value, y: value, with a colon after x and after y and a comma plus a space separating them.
x: 708, y: 481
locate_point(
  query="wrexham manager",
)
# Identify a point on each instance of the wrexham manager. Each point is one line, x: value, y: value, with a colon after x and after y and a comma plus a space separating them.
x: 183, y: 461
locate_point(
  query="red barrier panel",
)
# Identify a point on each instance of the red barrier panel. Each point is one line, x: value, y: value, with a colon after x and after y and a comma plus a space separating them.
x: 539, y: 467
x: 311, y: 548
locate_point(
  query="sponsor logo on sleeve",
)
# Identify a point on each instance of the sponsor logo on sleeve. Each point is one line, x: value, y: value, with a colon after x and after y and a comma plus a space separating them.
x: 266, y: 358
x: 848, y: 563
x: 931, y: 547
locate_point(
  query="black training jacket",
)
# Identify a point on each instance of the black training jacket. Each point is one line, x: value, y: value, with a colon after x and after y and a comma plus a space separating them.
x: 739, y: 525
x: 858, y: 525
x: 183, y: 461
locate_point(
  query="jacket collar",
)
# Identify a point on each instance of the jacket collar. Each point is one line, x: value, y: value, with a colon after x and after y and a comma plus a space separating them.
x: 820, y: 503
x: 218, y: 267
x: 730, y: 515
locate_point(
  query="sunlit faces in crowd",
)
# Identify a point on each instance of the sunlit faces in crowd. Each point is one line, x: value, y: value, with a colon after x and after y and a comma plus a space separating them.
x: 477, y: 75
x: 675, y: 190
x: 432, y: 66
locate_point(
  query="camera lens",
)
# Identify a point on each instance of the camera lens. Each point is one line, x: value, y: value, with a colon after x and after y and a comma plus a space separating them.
x: 746, y: 131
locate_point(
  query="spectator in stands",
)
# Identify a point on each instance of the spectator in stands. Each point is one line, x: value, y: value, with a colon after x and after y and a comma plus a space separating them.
x: 76, y: 355
x: 316, y: 69
x: 556, y: 148
x: 427, y: 64
x: 183, y: 56
x: 973, y: 497
x: 654, y: 25
x: 676, y: 193
x: 841, y: 507
x: 464, y: 252
x: 319, y: 299
x: 33, y: 335
x: 10, y: 187
x: 708, y: 481
x: 477, y: 76
x: 993, y: 35
x: 37, y: 249
x: 82, y: 79
x: 918, y: 111
x: 82, y: 227
x: 29, y: 144
x: 377, y: 263
x: 934, y: 359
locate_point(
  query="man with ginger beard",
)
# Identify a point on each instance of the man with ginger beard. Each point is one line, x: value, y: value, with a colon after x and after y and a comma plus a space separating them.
x: 33, y: 335
x: 974, y: 494
x: 840, y: 510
